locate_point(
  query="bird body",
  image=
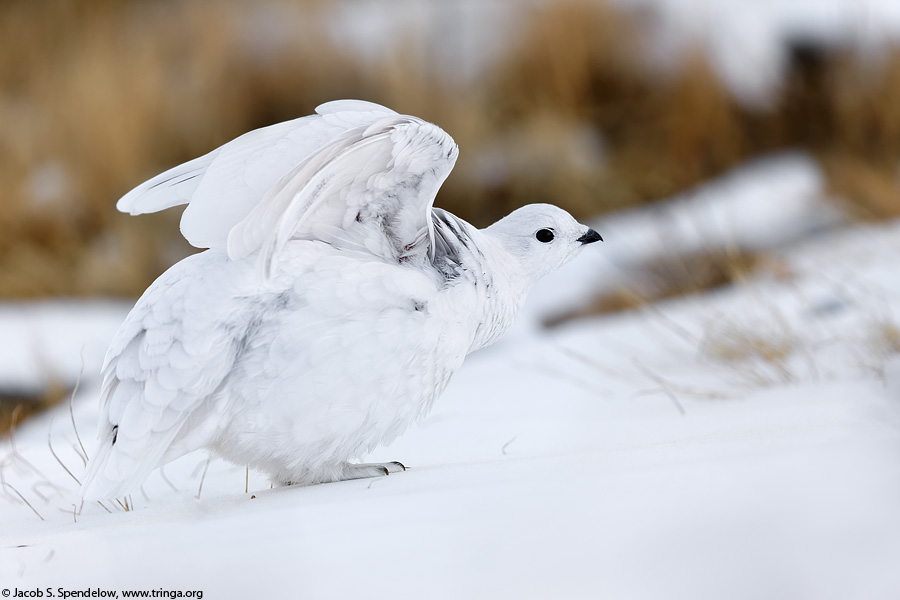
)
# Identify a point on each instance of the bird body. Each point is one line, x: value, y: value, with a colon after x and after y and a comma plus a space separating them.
x: 332, y: 308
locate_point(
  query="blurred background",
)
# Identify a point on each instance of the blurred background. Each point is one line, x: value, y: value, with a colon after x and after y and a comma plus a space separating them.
x: 595, y: 105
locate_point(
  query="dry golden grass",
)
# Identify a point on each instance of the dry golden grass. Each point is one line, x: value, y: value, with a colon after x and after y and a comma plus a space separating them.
x: 868, y: 191
x: 886, y: 338
x: 122, y: 90
x: 760, y: 355
x: 678, y: 275
x: 740, y: 344
x: 96, y: 96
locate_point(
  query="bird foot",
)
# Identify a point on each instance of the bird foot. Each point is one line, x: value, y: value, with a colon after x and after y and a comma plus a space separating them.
x: 345, y: 471
x: 364, y: 470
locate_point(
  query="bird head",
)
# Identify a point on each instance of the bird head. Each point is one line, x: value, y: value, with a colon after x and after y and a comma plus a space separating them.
x: 541, y: 238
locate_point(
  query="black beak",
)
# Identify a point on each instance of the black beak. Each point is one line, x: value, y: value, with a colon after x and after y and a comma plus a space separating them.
x: 590, y: 237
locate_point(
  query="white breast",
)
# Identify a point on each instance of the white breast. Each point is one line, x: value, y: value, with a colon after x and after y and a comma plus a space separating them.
x: 353, y: 353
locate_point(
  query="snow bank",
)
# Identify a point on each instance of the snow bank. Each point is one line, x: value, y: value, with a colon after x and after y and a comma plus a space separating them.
x: 622, y: 456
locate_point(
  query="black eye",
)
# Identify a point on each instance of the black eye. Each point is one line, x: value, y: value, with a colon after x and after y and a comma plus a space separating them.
x: 544, y: 235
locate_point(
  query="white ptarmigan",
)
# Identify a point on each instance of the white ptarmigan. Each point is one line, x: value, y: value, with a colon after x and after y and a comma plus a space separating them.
x: 332, y: 307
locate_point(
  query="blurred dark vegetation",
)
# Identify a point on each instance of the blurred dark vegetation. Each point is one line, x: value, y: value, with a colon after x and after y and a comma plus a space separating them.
x: 17, y: 405
x: 97, y: 96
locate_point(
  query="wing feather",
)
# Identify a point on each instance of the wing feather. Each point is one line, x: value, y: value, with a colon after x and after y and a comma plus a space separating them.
x: 356, y: 174
x: 375, y: 185
x: 152, y: 401
x: 222, y: 186
x: 172, y: 188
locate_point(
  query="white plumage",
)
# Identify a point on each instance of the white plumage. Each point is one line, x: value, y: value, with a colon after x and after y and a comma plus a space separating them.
x: 332, y: 307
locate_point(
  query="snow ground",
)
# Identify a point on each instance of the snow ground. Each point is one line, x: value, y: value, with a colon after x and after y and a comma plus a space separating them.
x: 739, y: 444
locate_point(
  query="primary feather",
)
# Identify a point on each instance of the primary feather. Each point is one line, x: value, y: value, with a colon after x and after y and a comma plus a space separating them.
x: 331, y: 309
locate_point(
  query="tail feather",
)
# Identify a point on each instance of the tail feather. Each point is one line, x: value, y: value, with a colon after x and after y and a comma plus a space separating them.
x: 116, y: 470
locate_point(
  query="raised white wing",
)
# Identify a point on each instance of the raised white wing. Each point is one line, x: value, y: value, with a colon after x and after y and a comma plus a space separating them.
x: 223, y: 186
x: 356, y: 175
x: 371, y: 188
